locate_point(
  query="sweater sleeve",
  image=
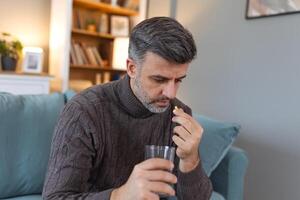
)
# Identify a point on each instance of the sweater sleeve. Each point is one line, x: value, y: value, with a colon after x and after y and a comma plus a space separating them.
x: 71, y: 159
x: 194, y: 185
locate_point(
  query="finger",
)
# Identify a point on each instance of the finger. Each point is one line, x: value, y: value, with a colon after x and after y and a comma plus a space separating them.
x: 180, y: 112
x: 186, y: 123
x: 185, y: 146
x: 149, y: 195
x: 182, y: 133
x: 161, y: 187
x: 179, y: 142
x: 161, y: 176
x: 191, y: 125
x: 187, y: 136
x: 156, y: 163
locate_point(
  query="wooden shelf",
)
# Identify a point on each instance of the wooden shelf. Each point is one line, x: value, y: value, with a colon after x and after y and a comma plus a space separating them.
x: 104, y: 7
x: 99, y: 68
x: 95, y: 34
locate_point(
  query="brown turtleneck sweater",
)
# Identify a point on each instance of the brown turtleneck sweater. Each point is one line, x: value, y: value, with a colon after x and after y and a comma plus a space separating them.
x: 101, y: 136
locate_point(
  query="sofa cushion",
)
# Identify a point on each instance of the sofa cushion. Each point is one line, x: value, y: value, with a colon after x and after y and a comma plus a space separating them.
x: 69, y: 94
x: 27, y: 197
x: 26, y: 126
x: 216, y: 196
x: 216, y: 140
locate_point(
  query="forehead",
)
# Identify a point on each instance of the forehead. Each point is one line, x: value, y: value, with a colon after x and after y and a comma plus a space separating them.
x: 154, y: 64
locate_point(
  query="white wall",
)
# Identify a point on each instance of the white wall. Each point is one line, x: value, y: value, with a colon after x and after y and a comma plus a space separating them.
x: 248, y: 72
x: 28, y: 20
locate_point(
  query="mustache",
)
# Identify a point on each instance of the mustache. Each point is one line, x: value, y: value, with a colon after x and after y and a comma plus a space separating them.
x: 162, y: 98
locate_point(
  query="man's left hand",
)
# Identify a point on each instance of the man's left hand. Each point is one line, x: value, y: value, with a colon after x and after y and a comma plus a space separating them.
x: 187, y: 137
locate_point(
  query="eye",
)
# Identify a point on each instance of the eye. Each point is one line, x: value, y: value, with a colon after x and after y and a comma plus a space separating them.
x: 178, y: 80
x: 159, y: 80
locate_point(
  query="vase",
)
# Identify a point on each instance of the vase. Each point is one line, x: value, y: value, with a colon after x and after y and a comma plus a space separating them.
x: 8, y: 63
x: 91, y: 28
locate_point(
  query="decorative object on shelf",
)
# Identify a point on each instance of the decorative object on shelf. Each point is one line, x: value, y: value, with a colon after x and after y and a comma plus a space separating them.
x: 33, y: 59
x: 10, y: 50
x: 267, y: 8
x: 132, y: 4
x: 119, y: 25
x: 91, y: 25
x: 120, y: 53
x: 103, y: 25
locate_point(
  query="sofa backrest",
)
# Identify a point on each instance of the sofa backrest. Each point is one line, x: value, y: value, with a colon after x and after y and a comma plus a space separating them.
x: 26, y: 126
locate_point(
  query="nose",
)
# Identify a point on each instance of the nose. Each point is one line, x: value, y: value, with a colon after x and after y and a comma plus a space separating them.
x: 170, y: 90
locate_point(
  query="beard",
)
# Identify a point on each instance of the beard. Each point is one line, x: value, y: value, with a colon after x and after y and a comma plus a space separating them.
x: 145, y: 99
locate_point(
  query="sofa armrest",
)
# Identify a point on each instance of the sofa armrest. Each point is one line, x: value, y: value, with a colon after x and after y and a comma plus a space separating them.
x: 228, y: 177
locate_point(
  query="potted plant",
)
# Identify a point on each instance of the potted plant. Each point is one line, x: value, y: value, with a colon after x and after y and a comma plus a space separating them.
x: 10, y: 50
x: 91, y: 25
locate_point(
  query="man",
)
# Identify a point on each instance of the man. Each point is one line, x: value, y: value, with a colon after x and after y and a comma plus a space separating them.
x: 98, y: 146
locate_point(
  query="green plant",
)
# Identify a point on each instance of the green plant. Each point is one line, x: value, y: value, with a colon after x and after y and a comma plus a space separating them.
x: 90, y: 22
x: 10, y: 46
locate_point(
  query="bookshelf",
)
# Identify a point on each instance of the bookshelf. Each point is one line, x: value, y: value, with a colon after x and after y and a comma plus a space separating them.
x: 104, y: 7
x: 68, y: 28
x: 91, y: 55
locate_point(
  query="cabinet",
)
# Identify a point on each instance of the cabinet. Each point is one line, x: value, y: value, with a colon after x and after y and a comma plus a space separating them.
x: 22, y: 83
x: 65, y: 33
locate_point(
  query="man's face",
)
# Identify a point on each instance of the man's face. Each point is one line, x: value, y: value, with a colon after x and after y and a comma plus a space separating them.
x: 156, y: 82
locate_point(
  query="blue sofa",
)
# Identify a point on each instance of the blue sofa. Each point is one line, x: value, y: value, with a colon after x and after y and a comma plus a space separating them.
x: 26, y: 126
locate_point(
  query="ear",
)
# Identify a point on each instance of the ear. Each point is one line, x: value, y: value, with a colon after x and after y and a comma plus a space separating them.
x: 131, y: 68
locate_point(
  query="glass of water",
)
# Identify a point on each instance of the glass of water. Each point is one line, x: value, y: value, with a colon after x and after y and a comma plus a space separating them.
x: 164, y: 152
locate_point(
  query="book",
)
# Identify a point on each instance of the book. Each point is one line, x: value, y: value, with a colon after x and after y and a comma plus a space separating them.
x: 78, y: 21
x: 97, y: 56
x: 91, y: 56
x: 73, y: 56
x: 83, y: 56
x: 78, y: 54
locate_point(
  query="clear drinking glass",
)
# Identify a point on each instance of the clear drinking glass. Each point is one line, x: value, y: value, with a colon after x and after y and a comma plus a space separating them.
x: 164, y: 152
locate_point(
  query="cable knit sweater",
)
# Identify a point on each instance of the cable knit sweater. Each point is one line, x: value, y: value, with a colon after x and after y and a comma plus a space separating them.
x: 100, y: 137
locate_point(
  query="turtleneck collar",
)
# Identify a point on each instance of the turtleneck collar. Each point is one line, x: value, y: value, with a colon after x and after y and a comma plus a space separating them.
x: 129, y: 102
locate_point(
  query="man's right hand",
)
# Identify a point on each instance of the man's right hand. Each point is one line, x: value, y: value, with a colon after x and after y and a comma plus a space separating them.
x: 147, y: 179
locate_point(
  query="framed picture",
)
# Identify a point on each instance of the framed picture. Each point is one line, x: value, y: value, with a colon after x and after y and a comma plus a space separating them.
x: 119, y: 25
x: 33, y: 59
x: 266, y: 8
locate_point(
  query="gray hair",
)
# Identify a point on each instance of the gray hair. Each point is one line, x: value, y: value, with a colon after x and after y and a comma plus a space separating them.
x: 163, y: 36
